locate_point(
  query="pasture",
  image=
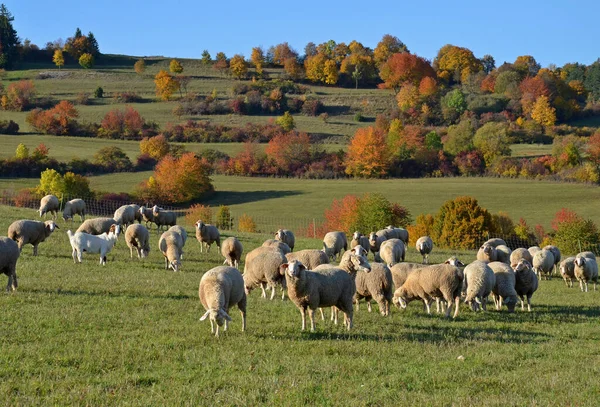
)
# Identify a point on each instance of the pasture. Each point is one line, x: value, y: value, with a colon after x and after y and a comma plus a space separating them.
x: 128, y: 334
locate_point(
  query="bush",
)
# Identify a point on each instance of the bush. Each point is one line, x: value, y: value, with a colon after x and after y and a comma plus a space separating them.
x: 99, y: 93
x: 113, y: 159
x: 574, y: 233
x: 246, y: 224
x: 8, y: 127
x: 358, y: 117
x: 19, y: 96
x: 25, y: 197
x: 198, y: 212
x: 423, y: 227
x: 127, y: 97
x: 460, y: 222
x: 312, y: 107
x: 82, y: 98
x: 224, y: 220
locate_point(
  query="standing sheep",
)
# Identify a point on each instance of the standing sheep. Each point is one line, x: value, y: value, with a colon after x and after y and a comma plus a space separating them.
x: 207, y: 234
x: 396, y: 233
x: 49, y: 204
x: 232, y: 250
x: 375, y: 285
x: 138, y: 236
x: 556, y: 253
x: 9, y: 254
x: 31, y: 231
x: 520, y: 254
x: 277, y: 244
x: 182, y: 233
x: 478, y: 284
x: 375, y: 242
x: 401, y: 271
x: 567, y: 271
x: 487, y: 253
x: 72, y: 208
x: 137, y: 215
x: 392, y: 251
x: 124, y: 215
x: 171, y: 244
x: 311, y: 258
x: 543, y: 262
x: 220, y: 289
x: 287, y: 237
x: 504, y: 290
x: 163, y: 218
x: 84, y: 242
x: 586, y: 269
x: 96, y: 226
x: 533, y: 250
x: 146, y: 214
x: 503, y: 253
x: 261, y: 268
x: 334, y: 244
x: 526, y: 283
x: 495, y: 242
x: 424, y: 246
x: 359, y: 240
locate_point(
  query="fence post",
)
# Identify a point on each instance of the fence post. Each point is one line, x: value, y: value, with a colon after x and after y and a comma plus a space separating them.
x: 314, y: 229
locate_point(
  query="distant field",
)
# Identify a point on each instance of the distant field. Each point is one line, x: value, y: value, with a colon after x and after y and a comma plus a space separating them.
x: 530, y: 150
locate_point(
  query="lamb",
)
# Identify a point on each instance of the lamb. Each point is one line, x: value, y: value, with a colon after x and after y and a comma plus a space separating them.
x: 359, y: 240
x: 396, y: 233
x: 567, y: 271
x: 96, y: 226
x: 277, y: 244
x: 84, y: 242
x: 232, y: 250
x: 138, y: 237
x: 586, y: 269
x: 163, y: 218
x: 171, y: 245
x: 376, y: 285
x: 520, y: 254
x: 440, y: 280
x: 74, y: 207
x: 31, y: 232
x: 504, y: 290
x: 49, y: 204
x: 556, y: 252
x: 287, y: 237
x: 526, y: 283
x: 392, y: 251
x: 495, y: 242
x: 207, y: 234
x: 325, y: 288
x: 221, y: 288
x: 478, y: 284
x: 146, y: 214
x: 310, y: 258
x: 424, y: 246
x: 124, y: 215
x: 334, y: 244
x: 9, y: 254
x: 503, y: 253
x: 375, y: 242
x: 261, y: 268
x: 543, y: 262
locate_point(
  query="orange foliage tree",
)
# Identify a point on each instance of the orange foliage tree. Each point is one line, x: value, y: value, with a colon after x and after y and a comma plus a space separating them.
x: 55, y: 121
x: 238, y: 66
x: 289, y: 151
x: 258, y: 59
x: 593, y: 148
x: 367, y: 156
x: 388, y: 46
x: 126, y: 123
x: 455, y: 64
x: 19, y: 95
x: 166, y: 84
x: 531, y: 89
x: 404, y: 67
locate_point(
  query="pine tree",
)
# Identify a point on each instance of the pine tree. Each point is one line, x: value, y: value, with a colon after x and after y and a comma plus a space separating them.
x: 93, y: 44
x: 8, y: 39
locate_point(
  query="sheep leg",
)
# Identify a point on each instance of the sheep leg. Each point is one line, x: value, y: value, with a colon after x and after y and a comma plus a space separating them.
x: 74, y: 255
x: 272, y: 292
x: 282, y: 294
x: 311, y: 315
x: 166, y: 263
x: 264, y: 293
x: 322, y: 314
x: 334, y: 315
x: 529, y: 303
x: 426, y: 301
x: 226, y: 325
x: 369, y: 306
x: 348, y: 320
x: 243, y: 320
x: 522, y: 303
x: 212, y: 327
x: 217, y: 332
x: 303, y: 313
x: 35, y: 246
x: 456, y: 305
x: 131, y: 253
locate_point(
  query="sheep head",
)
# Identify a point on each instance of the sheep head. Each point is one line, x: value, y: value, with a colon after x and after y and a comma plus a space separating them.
x: 454, y: 262
x: 522, y: 265
x: 200, y: 225
x: 175, y: 264
x: 359, y: 261
x: 580, y: 261
x: 219, y: 316
x: 356, y: 235
x: 50, y: 226
x: 400, y: 298
x: 280, y: 235
x: 293, y: 269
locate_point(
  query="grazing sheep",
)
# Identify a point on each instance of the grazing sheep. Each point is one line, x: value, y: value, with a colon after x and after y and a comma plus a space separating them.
x: 487, y: 253
x: 478, y: 284
x: 232, y: 250
x: 426, y: 283
x: 325, y: 288
x: 392, y: 251
x: 375, y: 242
x: 533, y: 250
x: 96, y: 226
x: 334, y: 244
x: 424, y: 246
x: 396, y: 233
x: 9, y: 254
x: 526, y: 283
x: 72, y: 208
x: 556, y: 253
x: 503, y: 254
x: 31, y: 231
x: 84, y: 242
x: 207, y: 235
x: 311, y: 258
x: 138, y: 236
x: 495, y: 242
x: 49, y: 204
x: 359, y: 240
x: 137, y: 215
x: 586, y: 269
x: 375, y: 285
x: 146, y: 214
x: 543, y: 262
x: 401, y: 271
x: 520, y: 254
x: 504, y: 290
x: 277, y: 244
x: 567, y: 271
x: 182, y: 232
x: 171, y: 245
x: 220, y: 289
x: 287, y: 237
x: 261, y: 268
x: 163, y: 218
x: 124, y: 215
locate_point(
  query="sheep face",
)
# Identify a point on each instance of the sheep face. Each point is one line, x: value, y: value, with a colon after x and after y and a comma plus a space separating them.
x: 175, y: 264
x: 359, y: 260
x: 51, y: 225
x: 200, y: 225
x: 360, y: 251
x: 219, y: 316
x: 280, y: 235
x: 522, y: 265
x: 580, y: 261
x: 294, y: 269
x: 155, y: 210
x: 400, y: 298
x: 454, y: 262
x: 510, y: 303
x: 356, y: 235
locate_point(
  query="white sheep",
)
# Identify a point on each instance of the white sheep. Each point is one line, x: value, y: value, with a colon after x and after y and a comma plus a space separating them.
x: 311, y: 258
x: 207, y: 235
x: 277, y: 244
x: 124, y: 215
x: 375, y: 241
x: 232, y: 250
x: 478, y: 284
x: 520, y: 254
x: 503, y: 253
x: 504, y: 290
x: 401, y: 271
x: 533, y: 250
x: 526, y: 282
x: 261, y: 268
x: 9, y: 254
x: 495, y: 242
x: 181, y: 230
x: 147, y: 215
x: 424, y: 246
x: 49, y: 204
x: 137, y: 236
x: 31, y: 232
x: 487, y: 253
x: 137, y: 214
x: 377, y: 285
x: 334, y: 244
x: 392, y: 251
x: 221, y: 288
x: 74, y: 207
x: 96, y: 226
x: 84, y: 242
x: 543, y: 262
x: 586, y: 269
x: 171, y: 245
x: 396, y: 233
x: 286, y: 236
x: 567, y: 271
x: 163, y: 218
x: 359, y: 240
x: 556, y: 253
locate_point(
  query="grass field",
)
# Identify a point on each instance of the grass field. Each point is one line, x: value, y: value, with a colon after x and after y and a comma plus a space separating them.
x: 128, y: 334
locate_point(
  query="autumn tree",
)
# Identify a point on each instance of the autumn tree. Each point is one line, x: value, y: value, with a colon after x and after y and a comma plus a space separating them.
x: 388, y: 46
x: 289, y: 151
x: 166, y: 84
x: 526, y: 65
x: 57, y: 120
x: 460, y: 223
x: 86, y: 61
x: 593, y: 148
x: 280, y: 52
x: 238, y: 66
x: 124, y: 124
x: 22, y: 152
x: 69, y: 185
x: 139, y: 66
x: 543, y: 113
x: 366, y: 157
x: 221, y: 63
x: 460, y: 137
x: 455, y: 64
x: 330, y: 72
x: 359, y: 64
x: 175, y: 66
x: 531, y: 89
x: 19, y: 95
x: 58, y: 58
x: 156, y: 147
x: 492, y: 140
x: 258, y: 59
x: 293, y: 69
x: 286, y: 121
x: 404, y: 67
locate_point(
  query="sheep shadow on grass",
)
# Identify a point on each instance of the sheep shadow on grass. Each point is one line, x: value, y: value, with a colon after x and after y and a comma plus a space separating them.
x: 125, y: 294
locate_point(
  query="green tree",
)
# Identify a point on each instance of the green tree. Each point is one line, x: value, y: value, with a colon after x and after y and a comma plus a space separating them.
x: 113, y: 159
x: 460, y: 137
x: 22, y: 152
x: 93, y: 45
x: 86, y: 60
x: 8, y: 39
x: 592, y: 80
x: 206, y: 58
x: 453, y: 104
x: 492, y: 141
x: 433, y: 141
x: 286, y: 121
x: 489, y: 63
x: 58, y: 58
x: 75, y: 185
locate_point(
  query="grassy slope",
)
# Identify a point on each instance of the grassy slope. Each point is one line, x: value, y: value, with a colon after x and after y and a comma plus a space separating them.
x: 128, y: 333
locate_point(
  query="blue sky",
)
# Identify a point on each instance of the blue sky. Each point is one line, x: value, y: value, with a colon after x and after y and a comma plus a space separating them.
x: 552, y: 31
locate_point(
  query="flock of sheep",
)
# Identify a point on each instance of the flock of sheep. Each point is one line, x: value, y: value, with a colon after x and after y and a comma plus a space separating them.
x: 311, y: 281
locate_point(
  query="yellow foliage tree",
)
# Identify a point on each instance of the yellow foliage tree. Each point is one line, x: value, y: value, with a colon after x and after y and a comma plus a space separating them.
x: 139, y: 66
x: 367, y: 155
x: 166, y: 84
x: 454, y: 63
x: 175, y: 66
x: 543, y: 113
x: 330, y: 71
x: 258, y: 59
x: 58, y: 58
x: 238, y: 66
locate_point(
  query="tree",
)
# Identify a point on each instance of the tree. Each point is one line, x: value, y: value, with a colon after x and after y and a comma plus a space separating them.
x: 286, y: 121
x: 454, y: 64
x: 593, y: 148
x: 592, y: 80
x: 330, y: 72
x: 258, y: 59
x: 460, y: 223
x: 310, y: 50
x: 292, y: 68
x: 433, y: 141
x: 532, y: 88
x: 221, y: 63
x: 543, y: 113
x: 238, y: 66
x: 86, y: 61
x: 280, y: 52
x: 166, y: 84
x: 175, y: 66
x: 22, y: 152
x: 388, y: 46
x: 51, y: 182
x: 453, y: 105
x: 9, y: 40
x: 573, y: 233
x: 492, y: 141
x: 526, y: 65
x: 290, y: 151
x: 19, y: 95
x: 460, y: 137
x: 113, y: 159
x: 139, y: 66
x: 408, y: 97
x: 489, y: 63
x: 58, y: 58
x: 404, y: 67
x: 156, y: 147
x: 206, y: 59
x: 366, y: 157
x: 93, y: 44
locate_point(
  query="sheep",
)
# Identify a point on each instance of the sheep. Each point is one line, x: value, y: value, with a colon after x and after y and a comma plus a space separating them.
x: 49, y: 204
x: 277, y: 244
x: 232, y: 250
x: 359, y: 240
x: 72, y: 208
x: 567, y: 271
x: 96, y: 226
x: 533, y: 250
x: 325, y: 288
x: 392, y: 251
x: 333, y: 243
x: 478, y: 284
x: 589, y: 255
x: 375, y: 242
x: 556, y: 252
x: 84, y: 242
x: 261, y: 268
x: 426, y: 283
x: 146, y: 214
x: 137, y: 215
x: 526, y: 283
x: 586, y: 269
x: 171, y: 244
x: 376, y: 285
x: 287, y: 237
x: 424, y: 246
x: 310, y: 258
x: 503, y: 253
x: 124, y: 215
x: 487, y: 253
x: 182, y: 232
x: 495, y: 242
x: 520, y: 254
x: 207, y: 235
x: 504, y: 290
x: 221, y: 288
x: 396, y: 233
x: 543, y: 262
x: 138, y: 236
x: 401, y: 271
x: 163, y: 218
x: 9, y: 254
x: 31, y: 232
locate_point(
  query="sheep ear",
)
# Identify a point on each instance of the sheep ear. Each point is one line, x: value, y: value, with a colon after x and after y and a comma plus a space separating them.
x: 206, y: 314
x: 224, y: 314
x: 56, y: 226
x: 283, y: 268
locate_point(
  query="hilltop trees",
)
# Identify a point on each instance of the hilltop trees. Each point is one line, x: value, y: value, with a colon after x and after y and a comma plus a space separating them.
x: 58, y: 58
x: 8, y: 39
